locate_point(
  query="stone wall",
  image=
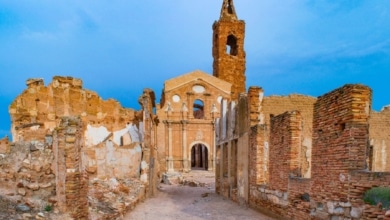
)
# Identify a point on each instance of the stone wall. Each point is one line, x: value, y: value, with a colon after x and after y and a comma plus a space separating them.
x: 39, y: 109
x: 380, y: 140
x: 27, y: 173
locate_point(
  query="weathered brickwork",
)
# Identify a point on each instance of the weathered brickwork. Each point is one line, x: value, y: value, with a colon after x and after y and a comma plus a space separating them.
x: 275, y: 105
x: 340, y: 156
x: 72, y: 179
x: 284, y: 149
x: 361, y: 181
x: 380, y: 140
x: 340, y: 140
x: 259, y: 156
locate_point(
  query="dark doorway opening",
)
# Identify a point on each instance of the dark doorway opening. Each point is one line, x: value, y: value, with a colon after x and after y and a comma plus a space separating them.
x: 199, y: 157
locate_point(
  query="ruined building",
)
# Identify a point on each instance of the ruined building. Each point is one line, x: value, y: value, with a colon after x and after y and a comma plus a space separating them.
x: 301, y: 157
x: 71, y: 148
x: 295, y: 156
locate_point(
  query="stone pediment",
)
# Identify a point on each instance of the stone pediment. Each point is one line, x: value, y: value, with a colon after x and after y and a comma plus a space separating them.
x: 197, y: 75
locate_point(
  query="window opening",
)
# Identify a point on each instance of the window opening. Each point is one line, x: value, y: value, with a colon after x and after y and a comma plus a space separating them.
x: 198, y: 109
x: 231, y: 45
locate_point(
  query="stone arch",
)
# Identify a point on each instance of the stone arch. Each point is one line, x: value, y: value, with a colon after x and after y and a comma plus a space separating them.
x: 205, y: 158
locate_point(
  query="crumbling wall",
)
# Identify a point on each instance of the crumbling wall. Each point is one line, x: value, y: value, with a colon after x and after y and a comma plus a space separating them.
x: 259, y: 145
x: 285, y: 149
x: 340, y: 145
x: 79, y: 135
x: 340, y: 139
x: 261, y: 109
x: 276, y: 105
x: 39, y: 109
x: 380, y: 140
x: 232, y: 162
x: 106, y: 160
x: 285, y: 186
x: 340, y: 157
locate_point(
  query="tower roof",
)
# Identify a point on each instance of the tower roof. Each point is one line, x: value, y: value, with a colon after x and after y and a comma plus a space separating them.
x: 228, y: 11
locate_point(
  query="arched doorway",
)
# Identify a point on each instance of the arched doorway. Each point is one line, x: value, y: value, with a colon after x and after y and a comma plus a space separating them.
x: 199, y: 157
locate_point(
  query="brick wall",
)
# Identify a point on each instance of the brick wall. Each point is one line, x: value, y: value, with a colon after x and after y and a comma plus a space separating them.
x: 340, y: 139
x: 339, y: 159
x: 258, y: 156
x: 284, y: 149
x: 299, y: 199
x: 361, y: 181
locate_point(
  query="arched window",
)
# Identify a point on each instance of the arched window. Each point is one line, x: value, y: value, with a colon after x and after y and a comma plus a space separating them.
x: 231, y: 45
x: 198, y: 109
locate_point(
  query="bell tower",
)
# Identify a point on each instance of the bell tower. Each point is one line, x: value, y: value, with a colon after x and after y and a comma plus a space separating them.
x: 228, y: 49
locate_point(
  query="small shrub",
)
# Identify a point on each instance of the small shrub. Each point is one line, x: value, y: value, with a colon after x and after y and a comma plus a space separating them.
x: 378, y: 195
x: 48, y: 208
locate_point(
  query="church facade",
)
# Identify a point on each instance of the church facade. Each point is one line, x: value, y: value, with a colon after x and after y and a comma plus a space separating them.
x: 191, y: 103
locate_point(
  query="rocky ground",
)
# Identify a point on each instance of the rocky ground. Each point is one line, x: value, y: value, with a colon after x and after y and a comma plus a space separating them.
x: 194, y: 200
x: 11, y: 209
x: 188, y: 196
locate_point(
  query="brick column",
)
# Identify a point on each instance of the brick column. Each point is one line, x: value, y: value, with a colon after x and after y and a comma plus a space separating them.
x: 71, y: 178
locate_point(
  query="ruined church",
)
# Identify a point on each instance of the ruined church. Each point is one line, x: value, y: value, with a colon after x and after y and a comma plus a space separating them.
x: 295, y: 156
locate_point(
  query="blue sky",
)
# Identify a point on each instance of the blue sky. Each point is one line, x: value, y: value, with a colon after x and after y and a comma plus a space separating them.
x: 120, y: 47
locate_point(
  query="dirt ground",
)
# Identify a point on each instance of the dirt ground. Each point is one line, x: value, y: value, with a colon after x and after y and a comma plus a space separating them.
x: 186, y: 202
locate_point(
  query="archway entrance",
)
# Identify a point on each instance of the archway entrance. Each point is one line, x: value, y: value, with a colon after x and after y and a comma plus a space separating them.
x: 199, y: 157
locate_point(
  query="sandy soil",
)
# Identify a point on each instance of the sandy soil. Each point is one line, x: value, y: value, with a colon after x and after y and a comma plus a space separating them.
x: 186, y: 202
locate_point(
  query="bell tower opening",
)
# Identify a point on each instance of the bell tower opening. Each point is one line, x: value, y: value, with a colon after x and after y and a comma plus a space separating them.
x: 230, y: 7
x: 231, y: 45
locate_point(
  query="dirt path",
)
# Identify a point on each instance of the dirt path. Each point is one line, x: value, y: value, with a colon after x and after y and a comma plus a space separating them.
x: 185, y: 202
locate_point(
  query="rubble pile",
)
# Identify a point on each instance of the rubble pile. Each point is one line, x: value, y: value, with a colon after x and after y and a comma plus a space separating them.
x: 26, y: 172
x: 111, y: 199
